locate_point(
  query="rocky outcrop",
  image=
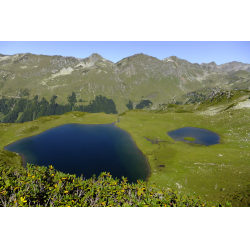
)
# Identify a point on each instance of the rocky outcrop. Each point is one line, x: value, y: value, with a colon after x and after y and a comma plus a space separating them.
x: 234, y: 66
x: 61, y: 61
x: 212, y: 66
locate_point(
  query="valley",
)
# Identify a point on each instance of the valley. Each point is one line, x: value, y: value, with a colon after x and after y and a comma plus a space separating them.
x: 217, y: 173
x: 150, y: 97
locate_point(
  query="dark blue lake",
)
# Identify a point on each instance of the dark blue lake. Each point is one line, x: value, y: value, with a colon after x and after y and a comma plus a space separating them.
x: 202, y: 136
x: 85, y: 149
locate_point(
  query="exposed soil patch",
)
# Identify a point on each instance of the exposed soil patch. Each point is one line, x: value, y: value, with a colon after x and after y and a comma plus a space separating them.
x: 154, y: 141
x: 161, y: 166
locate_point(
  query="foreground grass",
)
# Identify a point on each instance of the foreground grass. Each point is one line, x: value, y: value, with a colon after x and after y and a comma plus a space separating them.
x: 46, y: 187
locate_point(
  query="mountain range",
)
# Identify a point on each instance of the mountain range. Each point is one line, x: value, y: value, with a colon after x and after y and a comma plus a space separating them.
x: 128, y: 82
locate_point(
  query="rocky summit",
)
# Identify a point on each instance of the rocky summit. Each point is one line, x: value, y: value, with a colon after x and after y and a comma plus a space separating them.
x: 127, y: 83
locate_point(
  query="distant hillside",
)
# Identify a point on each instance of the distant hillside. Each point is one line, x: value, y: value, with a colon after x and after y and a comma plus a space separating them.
x: 128, y: 82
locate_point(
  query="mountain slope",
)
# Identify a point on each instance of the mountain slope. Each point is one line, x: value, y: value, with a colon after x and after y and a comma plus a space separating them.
x: 135, y: 78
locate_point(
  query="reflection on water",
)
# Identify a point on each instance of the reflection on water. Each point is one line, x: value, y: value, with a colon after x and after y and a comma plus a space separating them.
x: 202, y: 136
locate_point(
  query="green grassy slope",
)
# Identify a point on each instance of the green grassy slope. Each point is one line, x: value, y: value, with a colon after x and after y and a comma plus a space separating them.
x: 217, y: 173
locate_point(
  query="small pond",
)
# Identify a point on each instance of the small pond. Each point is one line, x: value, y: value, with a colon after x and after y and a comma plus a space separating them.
x: 199, y: 135
x: 85, y: 149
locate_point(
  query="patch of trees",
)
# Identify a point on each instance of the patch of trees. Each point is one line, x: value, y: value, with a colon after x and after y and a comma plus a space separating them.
x: 178, y: 103
x: 129, y: 105
x: 6, y: 105
x: 32, y: 109
x: 100, y: 104
x: 143, y: 104
x: 72, y: 99
x: 196, y: 97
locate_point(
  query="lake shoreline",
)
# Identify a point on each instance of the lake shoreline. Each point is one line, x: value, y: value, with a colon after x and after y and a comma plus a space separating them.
x: 143, y: 167
x: 140, y: 152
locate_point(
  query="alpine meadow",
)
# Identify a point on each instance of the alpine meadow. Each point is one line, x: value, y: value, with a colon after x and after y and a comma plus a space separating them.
x: 147, y: 98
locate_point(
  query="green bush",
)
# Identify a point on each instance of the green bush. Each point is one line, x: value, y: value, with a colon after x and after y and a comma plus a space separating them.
x: 143, y: 104
x: 46, y: 187
x: 129, y: 105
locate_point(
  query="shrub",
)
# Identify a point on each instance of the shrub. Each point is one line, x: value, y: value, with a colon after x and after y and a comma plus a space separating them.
x: 45, y: 186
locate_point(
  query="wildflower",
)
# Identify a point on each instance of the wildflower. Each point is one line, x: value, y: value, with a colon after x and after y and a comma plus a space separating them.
x: 51, y: 166
x: 52, y: 175
x: 64, y: 178
x: 23, y: 199
x: 55, y: 185
x: 66, y: 192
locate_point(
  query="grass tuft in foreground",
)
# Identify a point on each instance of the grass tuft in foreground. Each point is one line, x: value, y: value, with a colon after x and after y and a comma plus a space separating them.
x: 46, y: 187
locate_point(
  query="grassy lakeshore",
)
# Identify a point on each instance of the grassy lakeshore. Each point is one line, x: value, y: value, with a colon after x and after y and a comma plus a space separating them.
x: 189, y: 139
x: 217, y: 173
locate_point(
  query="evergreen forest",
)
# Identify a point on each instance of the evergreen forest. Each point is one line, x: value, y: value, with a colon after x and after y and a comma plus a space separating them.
x: 19, y: 110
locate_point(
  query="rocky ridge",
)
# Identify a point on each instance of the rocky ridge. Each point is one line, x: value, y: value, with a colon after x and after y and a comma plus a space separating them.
x: 133, y: 78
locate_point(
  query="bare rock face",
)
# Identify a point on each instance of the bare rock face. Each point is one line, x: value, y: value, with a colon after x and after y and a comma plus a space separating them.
x: 210, y: 67
x: 226, y: 67
x: 61, y: 61
x: 95, y: 57
x: 234, y: 66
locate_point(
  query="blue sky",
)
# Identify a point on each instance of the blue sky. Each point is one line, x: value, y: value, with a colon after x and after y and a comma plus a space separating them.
x: 194, y: 52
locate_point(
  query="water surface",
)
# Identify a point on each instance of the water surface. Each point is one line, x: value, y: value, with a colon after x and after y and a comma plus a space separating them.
x: 202, y: 136
x: 85, y: 149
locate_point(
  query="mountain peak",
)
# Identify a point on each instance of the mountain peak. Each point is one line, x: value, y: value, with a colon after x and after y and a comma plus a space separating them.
x: 213, y: 63
x: 96, y: 54
x: 95, y: 57
x: 170, y: 58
